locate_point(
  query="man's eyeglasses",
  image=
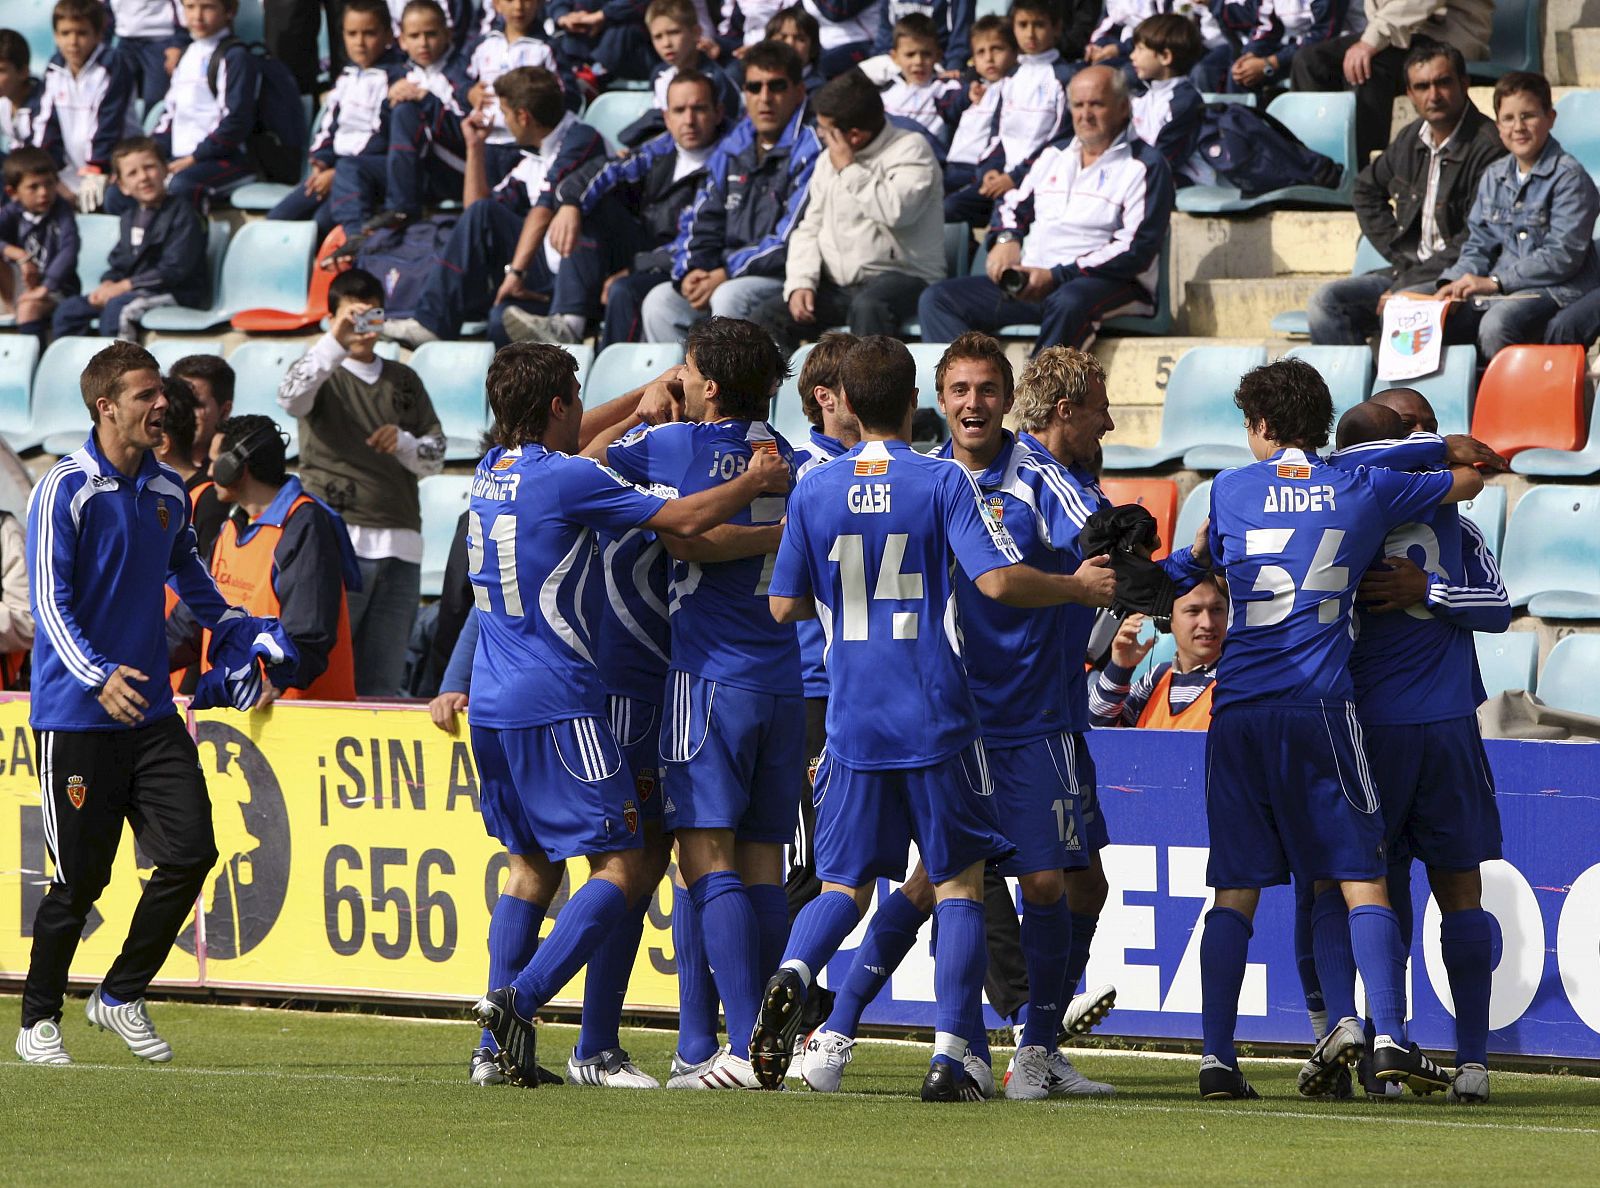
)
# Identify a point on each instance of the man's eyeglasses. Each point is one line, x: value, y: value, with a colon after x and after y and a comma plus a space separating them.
x: 775, y: 86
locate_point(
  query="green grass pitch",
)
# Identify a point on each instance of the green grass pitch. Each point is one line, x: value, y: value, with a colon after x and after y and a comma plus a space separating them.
x: 267, y: 1096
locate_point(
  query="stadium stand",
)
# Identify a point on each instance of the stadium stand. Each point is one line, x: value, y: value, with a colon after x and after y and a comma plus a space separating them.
x: 1449, y: 390
x: 1567, y: 679
x: 1294, y: 324
x: 626, y: 366
x: 615, y: 110
x: 1531, y: 397
x: 1488, y: 512
x: 264, y: 266
x: 97, y: 235
x: 169, y: 350
x: 443, y: 497
x: 19, y: 355
x: 1551, y: 557
x: 258, y: 369
x: 1514, y: 40
x: 1507, y: 661
x: 1200, y: 423
x: 1347, y: 370
x: 453, y: 373
x: 1324, y: 122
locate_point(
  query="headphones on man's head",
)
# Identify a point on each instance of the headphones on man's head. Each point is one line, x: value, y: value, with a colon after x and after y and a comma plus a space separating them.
x: 229, y: 465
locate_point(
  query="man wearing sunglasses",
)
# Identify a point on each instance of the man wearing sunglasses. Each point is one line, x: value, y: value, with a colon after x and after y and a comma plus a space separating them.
x: 732, y: 246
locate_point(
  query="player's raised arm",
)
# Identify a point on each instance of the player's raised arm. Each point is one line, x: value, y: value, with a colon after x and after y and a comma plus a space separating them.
x: 726, y: 542
x: 704, y: 510
x: 1093, y: 584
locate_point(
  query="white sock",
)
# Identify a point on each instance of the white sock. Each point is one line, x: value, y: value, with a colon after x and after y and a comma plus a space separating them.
x: 799, y: 967
x: 575, y: 323
x: 949, y: 1044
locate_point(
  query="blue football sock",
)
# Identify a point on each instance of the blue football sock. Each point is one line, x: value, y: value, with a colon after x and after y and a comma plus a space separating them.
x: 1078, y: 960
x: 697, y: 993
x: 1400, y: 900
x: 771, y: 905
x: 1224, y: 948
x: 513, y: 939
x: 108, y: 999
x: 1375, y: 940
x: 1336, y: 963
x: 1465, y: 943
x: 889, y: 938
x: 818, y: 931
x: 733, y: 951
x: 595, y: 910
x: 960, y: 957
x: 1305, y: 959
x: 605, y: 984
x: 1046, y: 946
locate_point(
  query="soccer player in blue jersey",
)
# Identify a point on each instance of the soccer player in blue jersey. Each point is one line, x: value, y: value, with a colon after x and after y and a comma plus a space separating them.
x: 553, y: 785
x: 734, y: 729
x: 868, y: 551
x: 1287, y: 783
x: 1417, y: 687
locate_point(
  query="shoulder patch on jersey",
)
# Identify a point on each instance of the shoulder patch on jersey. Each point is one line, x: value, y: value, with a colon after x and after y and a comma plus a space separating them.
x: 1294, y: 470
x: 505, y: 463
x: 872, y: 466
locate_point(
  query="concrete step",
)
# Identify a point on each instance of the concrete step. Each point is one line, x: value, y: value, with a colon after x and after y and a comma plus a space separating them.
x: 1244, y: 307
x: 1578, y: 56
x: 1276, y: 243
x: 1560, y: 17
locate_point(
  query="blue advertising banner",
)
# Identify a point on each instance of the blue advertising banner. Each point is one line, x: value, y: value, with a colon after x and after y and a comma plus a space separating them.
x: 1545, y: 898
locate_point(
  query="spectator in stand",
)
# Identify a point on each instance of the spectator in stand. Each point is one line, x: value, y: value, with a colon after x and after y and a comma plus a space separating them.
x: 798, y: 29
x: 1373, y: 62
x: 497, y: 254
x: 38, y: 240
x: 367, y: 433
x: 515, y: 45
x: 952, y: 28
x: 177, y: 433
x: 20, y: 93
x: 1412, y: 201
x: 917, y: 92
x: 617, y: 221
x: 457, y: 16
x: 994, y: 56
x: 159, y: 258
x: 872, y: 238
x: 598, y: 40
x: 675, y: 33
x: 1111, y: 44
x: 1175, y: 694
x: 1274, y: 31
x: 151, y: 38
x: 1530, y: 232
x: 16, y: 614
x: 211, y: 380
x: 204, y: 129
x: 845, y: 31
x: 87, y: 105
x: 1167, y: 113
x: 729, y: 255
x: 1079, y: 241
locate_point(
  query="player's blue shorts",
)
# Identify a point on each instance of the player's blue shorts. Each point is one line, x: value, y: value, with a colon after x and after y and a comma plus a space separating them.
x: 867, y: 820
x: 1438, y: 793
x: 1288, y: 791
x: 1038, y: 793
x: 560, y: 788
x: 637, y: 726
x: 735, y: 758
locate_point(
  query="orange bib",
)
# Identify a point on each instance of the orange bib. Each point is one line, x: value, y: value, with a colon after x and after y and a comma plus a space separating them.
x: 1157, y: 713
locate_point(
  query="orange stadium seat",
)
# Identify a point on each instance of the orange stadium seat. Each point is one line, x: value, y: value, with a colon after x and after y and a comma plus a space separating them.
x: 1157, y: 496
x: 269, y: 320
x: 1531, y: 396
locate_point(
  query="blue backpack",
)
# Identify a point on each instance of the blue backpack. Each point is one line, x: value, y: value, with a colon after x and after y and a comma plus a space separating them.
x: 1255, y: 153
x: 402, y: 258
x: 278, y: 143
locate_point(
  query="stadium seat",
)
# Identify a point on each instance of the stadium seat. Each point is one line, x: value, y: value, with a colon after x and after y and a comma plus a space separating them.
x: 97, y: 235
x: 1196, y: 507
x: 1449, y: 390
x: 1514, y: 41
x: 1200, y: 422
x: 927, y: 355
x: 443, y: 497
x: 266, y: 267
x: 1578, y: 114
x: 153, y: 117
x: 1296, y: 323
x: 624, y: 366
x: 169, y: 350
x: 1159, y: 497
x: 991, y: 8
x: 249, y: 22
x: 31, y: 18
x: 613, y: 111
x: 258, y: 366
x: 1348, y: 371
x: 1551, y: 558
x: 1324, y: 121
x: 787, y: 416
x: 453, y: 373
x: 57, y: 419
x: 1564, y: 463
x: 1244, y: 98
x: 19, y: 355
x: 1531, y: 396
x: 1567, y: 681
x: 258, y: 321
x: 584, y: 354
x: 1488, y: 512
x: 1507, y: 661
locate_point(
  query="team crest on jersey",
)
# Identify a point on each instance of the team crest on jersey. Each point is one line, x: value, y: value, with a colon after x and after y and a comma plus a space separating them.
x: 630, y: 816
x: 645, y: 784
x: 765, y: 444
x: 162, y: 514
x: 996, y: 505
x: 77, y: 791
x: 1294, y: 470
x: 871, y: 466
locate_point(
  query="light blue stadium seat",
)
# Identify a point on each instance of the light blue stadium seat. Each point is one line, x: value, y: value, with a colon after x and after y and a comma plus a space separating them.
x: 31, y: 18
x: 624, y: 366
x: 453, y: 373
x: 1548, y: 463
x: 153, y: 117
x: 97, y: 235
x: 788, y: 418
x: 1322, y: 120
x: 267, y: 266
x: 57, y: 418
x: 615, y: 110
x: 1449, y: 390
x: 1200, y: 422
x: 1567, y: 681
x: 1551, y: 557
x: 258, y: 366
x: 19, y: 355
x: 957, y: 249
x: 1244, y: 98
x: 1488, y: 512
x: 1507, y: 661
x: 1296, y: 323
x: 249, y: 22
x: 1347, y: 369
x: 1579, y: 120
x: 991, y: 8
x: 1515, y: 41
x: 443, y: 497
x: 584, y: 354
x: 1196, y: 507
x: 169, y: 350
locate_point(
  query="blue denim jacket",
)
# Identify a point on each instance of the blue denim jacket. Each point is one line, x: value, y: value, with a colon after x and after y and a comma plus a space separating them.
x: 1534, y: 231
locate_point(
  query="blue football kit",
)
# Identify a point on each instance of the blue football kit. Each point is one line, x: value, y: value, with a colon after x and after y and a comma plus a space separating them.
x: 808, y: 456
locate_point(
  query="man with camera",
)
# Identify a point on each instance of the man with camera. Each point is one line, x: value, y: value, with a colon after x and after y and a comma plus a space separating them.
x: 1079, y: 241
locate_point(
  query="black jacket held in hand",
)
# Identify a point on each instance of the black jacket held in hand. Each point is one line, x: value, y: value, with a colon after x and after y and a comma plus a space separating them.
x: 1128, y: 534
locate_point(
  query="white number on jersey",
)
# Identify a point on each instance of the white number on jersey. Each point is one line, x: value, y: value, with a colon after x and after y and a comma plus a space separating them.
x: 849, y: 553
x: 1420, y: 536
x: 504, y: 536
x: 1277, y: 581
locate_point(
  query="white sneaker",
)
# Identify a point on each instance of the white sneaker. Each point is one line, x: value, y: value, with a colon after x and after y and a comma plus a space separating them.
x: 1470, y: 1085
x: 1086, y: 1011
x: 41, y: 1043
x: 1028, y: 1078
x: 484, y: 1068
x: 687, y: 1076
x: 980, y: 1073
x: 822, y: 1063
x: 612, y: 1069
x: 522, y: 326
x: 1067, y: 1081
x: 407, y: 332
x: 132, y: 1022
x: 722, y: 1071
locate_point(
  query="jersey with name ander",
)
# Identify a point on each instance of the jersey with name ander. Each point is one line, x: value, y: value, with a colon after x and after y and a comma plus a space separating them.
x: 722, y: 629
x: 870, y: 537
x: 1294, y: 535
x: 531, y: 550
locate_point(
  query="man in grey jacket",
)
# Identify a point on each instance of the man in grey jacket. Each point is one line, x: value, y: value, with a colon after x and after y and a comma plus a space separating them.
x: 872, y: 237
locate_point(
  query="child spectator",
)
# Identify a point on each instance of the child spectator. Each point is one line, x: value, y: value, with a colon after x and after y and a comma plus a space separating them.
x: 457, y: 17
x: 20, y: 92
x: 160, y: 257
x: 40, y: 238
x: 1167, y: 115
x: 1282, y: 28
x: 846, y: 30
x: 675, y: 33
x: 427, y: 154
x: 994, y: 56
x: 599, y: 39
x: 748, y: 23
x: 1112, y: 42
x: 204, y: 129
x: 87, y: 106
x: 350, y: 152
x: 514, y: 45
x: 150, y: 38
x: 367, y: 433
x: 952, y: 23
x: 797, y: 28
x: 917, y: 93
